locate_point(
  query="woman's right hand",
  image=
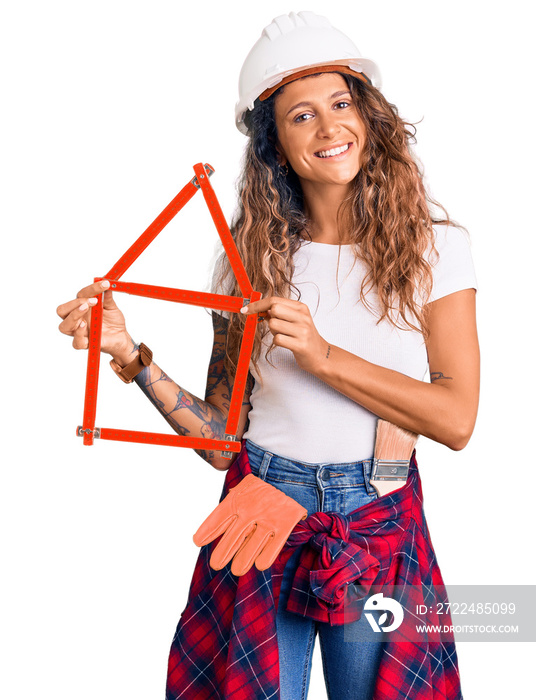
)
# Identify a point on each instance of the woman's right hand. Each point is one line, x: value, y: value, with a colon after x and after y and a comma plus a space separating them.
x: 76, y: 316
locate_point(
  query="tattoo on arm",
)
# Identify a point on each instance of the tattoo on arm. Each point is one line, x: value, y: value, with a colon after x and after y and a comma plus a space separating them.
x: 212, y: 421
x: 143, y: 380
x: 212, y: 417
x: 250, y: 381
x: 217, y: 376
x: 437, y: 375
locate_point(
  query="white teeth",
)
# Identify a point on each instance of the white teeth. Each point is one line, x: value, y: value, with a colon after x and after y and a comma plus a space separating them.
x: 333, y: 151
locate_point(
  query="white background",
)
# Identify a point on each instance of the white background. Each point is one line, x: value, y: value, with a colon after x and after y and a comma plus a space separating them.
x: 105, y: 108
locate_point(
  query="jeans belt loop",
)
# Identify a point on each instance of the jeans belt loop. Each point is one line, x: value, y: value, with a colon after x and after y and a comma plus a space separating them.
x: 367, y: 472
x: 266, y: 459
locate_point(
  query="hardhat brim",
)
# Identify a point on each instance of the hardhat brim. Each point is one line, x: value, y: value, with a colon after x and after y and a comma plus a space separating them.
x: 314, y: 70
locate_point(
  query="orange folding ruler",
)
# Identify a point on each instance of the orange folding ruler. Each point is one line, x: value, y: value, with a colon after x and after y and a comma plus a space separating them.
x: 229, y: 443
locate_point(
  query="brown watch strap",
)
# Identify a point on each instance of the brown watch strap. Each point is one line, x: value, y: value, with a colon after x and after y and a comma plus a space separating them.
x: 143, y: 359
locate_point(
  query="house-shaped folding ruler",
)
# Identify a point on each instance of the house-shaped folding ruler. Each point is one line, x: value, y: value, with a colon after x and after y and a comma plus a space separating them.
x: 229, y: 443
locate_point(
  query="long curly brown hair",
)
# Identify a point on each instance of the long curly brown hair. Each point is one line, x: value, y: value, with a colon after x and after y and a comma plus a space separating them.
x: 388, y: 217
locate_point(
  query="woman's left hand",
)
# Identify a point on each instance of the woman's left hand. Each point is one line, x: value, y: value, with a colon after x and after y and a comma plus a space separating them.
x: 293, y: 328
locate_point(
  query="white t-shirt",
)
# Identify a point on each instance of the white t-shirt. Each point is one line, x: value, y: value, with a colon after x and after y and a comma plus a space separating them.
x: 296, y: 415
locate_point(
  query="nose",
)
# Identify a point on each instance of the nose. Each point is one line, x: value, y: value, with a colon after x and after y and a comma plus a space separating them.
x: 327, y: 125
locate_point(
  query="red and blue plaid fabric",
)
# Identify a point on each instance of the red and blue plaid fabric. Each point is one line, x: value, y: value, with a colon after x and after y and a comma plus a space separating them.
x: 225, y: 646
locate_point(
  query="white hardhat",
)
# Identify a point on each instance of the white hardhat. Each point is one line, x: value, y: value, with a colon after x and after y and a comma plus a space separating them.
x: 295, y: 45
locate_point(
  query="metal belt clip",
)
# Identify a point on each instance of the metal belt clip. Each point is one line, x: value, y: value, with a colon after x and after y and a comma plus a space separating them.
x: 390, y: 469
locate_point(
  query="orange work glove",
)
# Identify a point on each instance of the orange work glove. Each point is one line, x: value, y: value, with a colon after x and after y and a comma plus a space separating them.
x: 257, y: 520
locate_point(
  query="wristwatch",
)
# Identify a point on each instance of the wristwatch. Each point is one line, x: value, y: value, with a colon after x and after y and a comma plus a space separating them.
x: 142, y: 359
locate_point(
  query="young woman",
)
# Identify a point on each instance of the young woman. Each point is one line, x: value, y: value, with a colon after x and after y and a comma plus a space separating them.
x: 364, y: 293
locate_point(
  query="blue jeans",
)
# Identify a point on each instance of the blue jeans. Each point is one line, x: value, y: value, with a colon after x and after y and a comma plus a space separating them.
x: 350, y: 653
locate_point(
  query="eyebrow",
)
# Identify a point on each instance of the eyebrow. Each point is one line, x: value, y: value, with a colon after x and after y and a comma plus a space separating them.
x: 308, y: 104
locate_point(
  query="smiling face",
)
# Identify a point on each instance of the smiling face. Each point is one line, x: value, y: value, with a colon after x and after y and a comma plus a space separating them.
x: 320, y: 132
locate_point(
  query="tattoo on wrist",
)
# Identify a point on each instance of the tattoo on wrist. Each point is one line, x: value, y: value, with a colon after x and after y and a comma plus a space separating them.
x: 135, y: 346
x: 437, y: 375
x: 329, y: 350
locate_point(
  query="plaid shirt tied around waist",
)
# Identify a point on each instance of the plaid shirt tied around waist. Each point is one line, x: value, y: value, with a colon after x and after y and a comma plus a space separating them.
x: 225, y: 646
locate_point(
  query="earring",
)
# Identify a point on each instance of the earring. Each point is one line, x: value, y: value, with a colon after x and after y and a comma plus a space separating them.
x: 284, y: 169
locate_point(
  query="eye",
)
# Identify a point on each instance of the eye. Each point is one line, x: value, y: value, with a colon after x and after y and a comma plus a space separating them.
x: 342, y: 104
x: 302, y: 117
